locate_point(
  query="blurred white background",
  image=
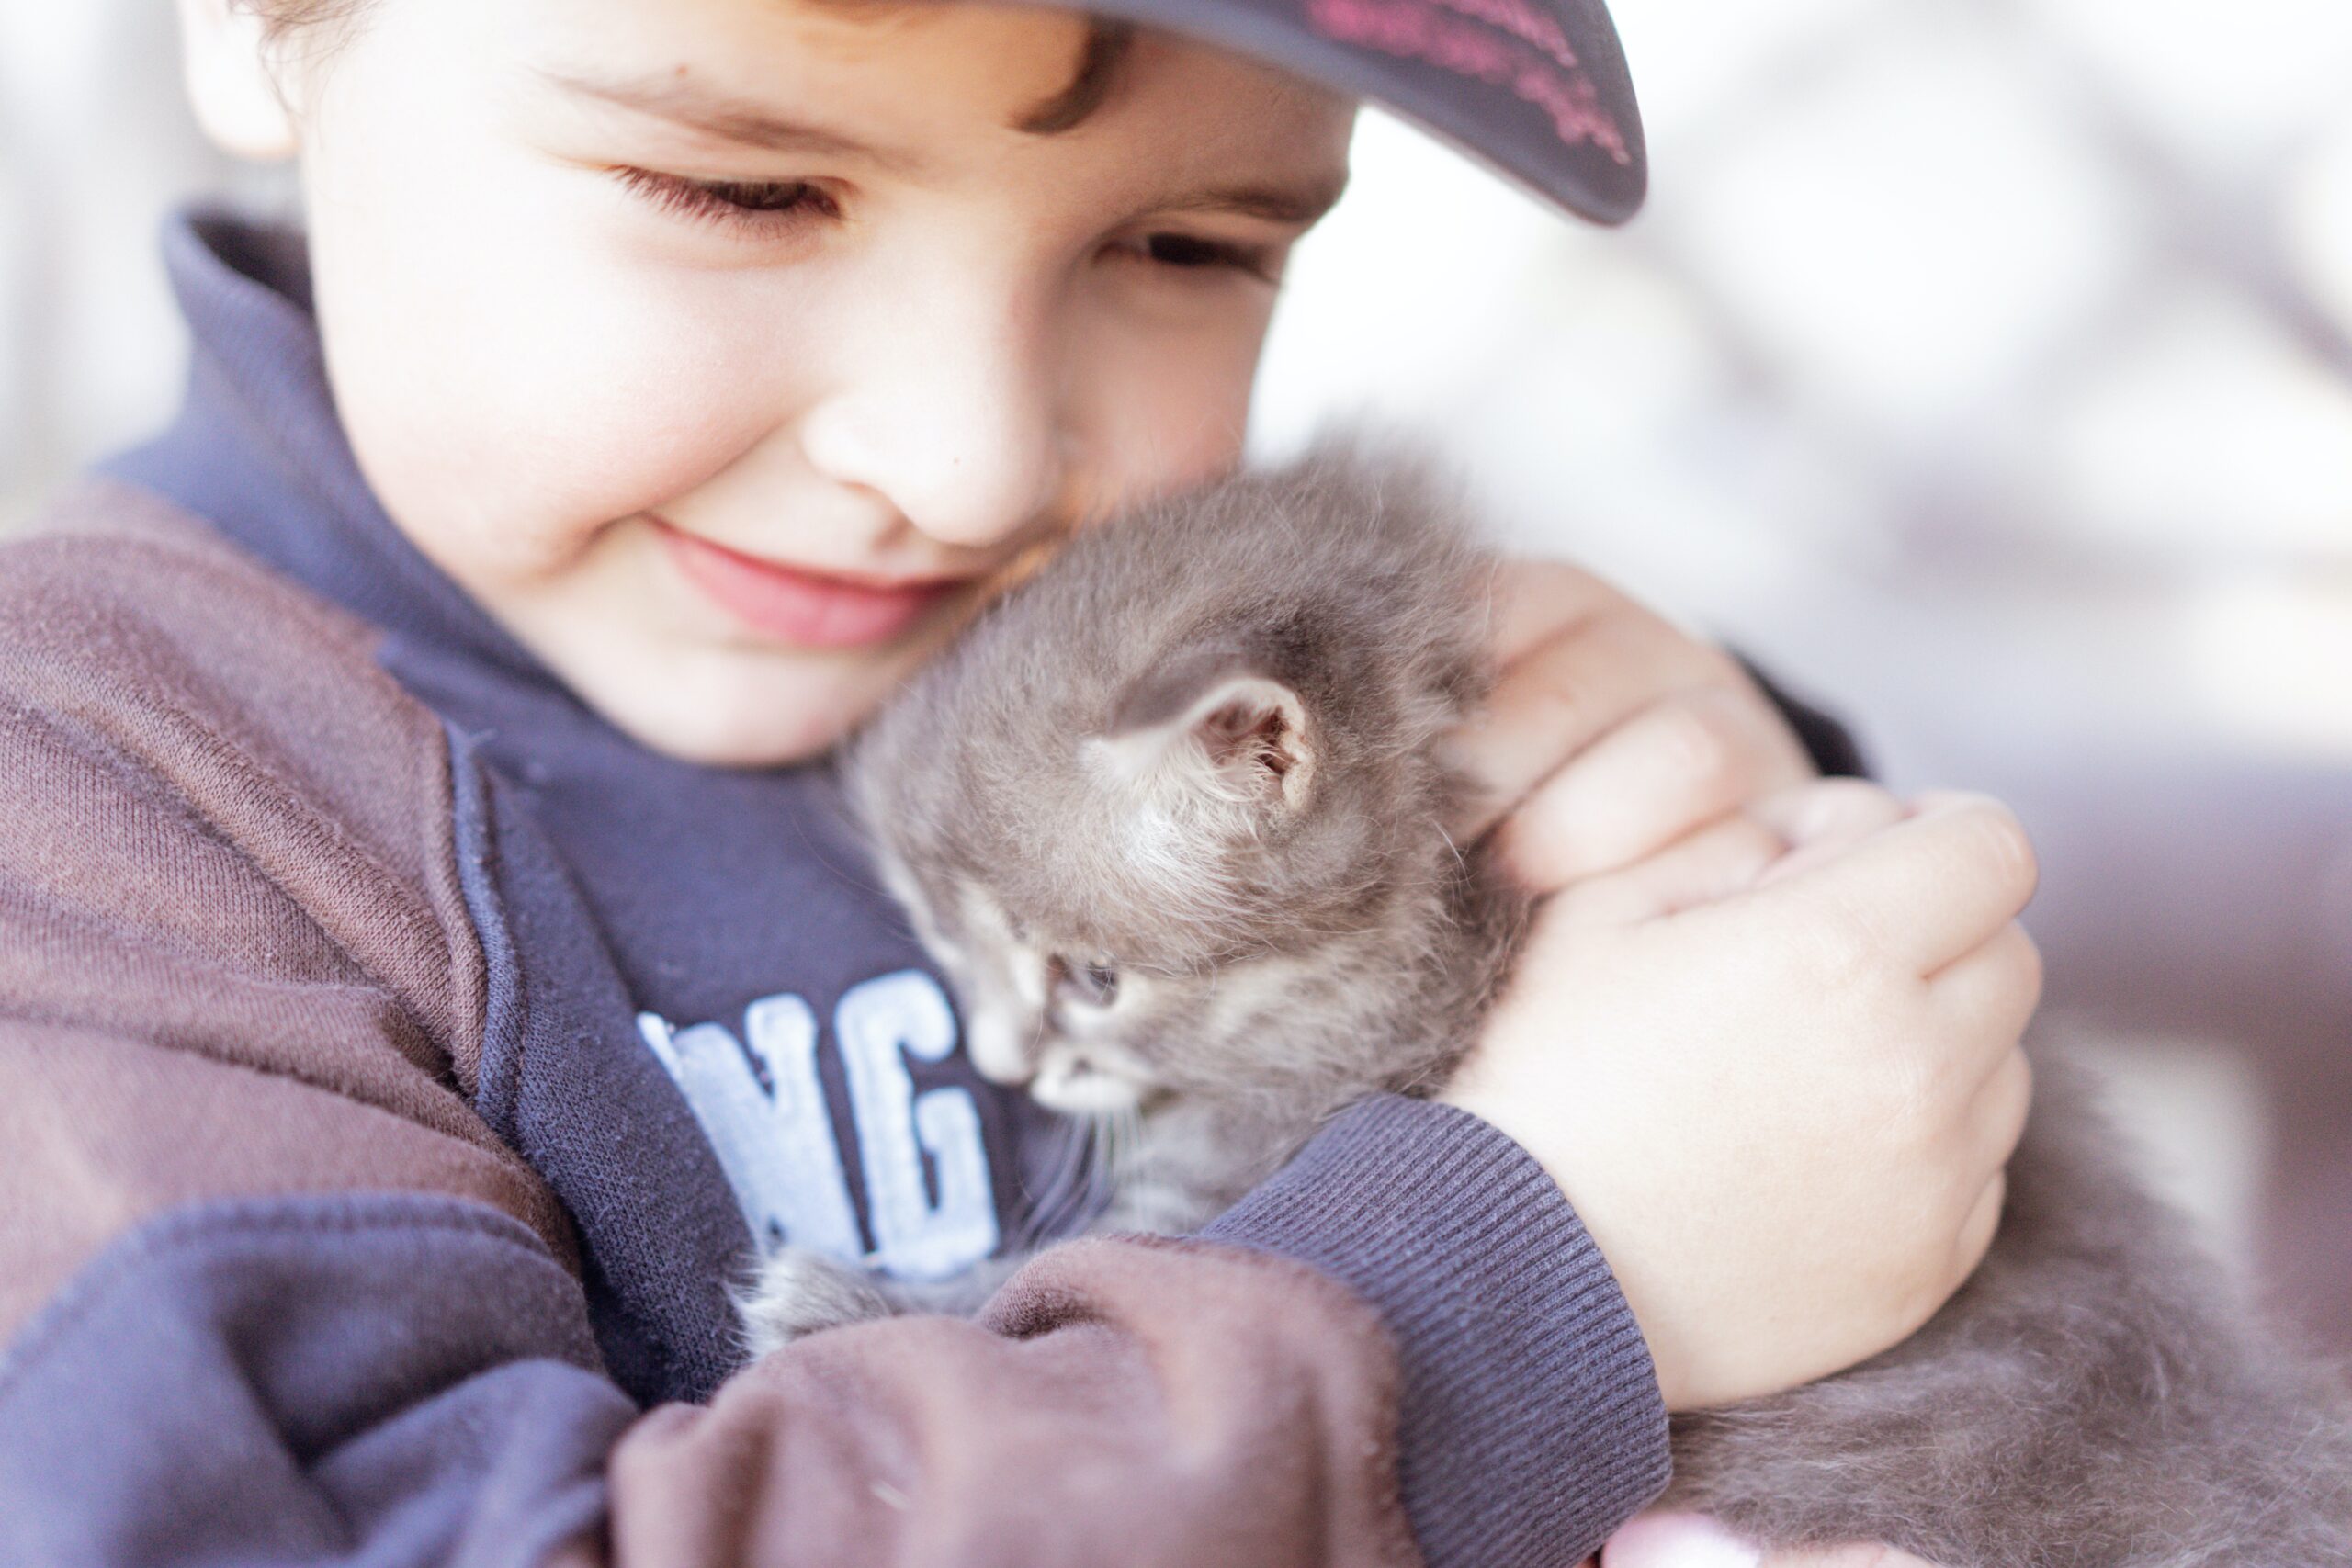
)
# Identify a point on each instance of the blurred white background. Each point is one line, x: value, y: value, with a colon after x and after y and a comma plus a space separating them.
x: 1982, y: 367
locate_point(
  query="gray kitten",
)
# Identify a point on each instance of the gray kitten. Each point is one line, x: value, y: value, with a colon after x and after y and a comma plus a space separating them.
x: 1172, y: 818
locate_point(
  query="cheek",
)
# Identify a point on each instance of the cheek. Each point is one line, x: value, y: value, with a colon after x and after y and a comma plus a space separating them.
x: 1165, y: 410
x: 512, y: 374
x: 589, y: 397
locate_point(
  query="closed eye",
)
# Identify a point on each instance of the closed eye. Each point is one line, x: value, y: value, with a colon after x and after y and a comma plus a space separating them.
x: 763, y: 204
x: 1182, y: 253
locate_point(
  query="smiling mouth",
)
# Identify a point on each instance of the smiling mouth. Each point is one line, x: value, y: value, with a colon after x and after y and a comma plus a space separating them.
x: 798, y: 607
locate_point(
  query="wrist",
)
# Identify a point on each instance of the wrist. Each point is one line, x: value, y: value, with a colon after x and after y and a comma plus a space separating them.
x: 1509, y: 1115
x: 1531, y: 1416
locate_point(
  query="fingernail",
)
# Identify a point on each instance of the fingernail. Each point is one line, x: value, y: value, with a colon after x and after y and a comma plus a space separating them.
x: 1676, y: 1540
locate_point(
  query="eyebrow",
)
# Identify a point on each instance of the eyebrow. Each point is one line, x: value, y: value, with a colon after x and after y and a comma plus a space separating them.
x: 1302, y: 204
x: 729, y: 120
x: 1105, y: 49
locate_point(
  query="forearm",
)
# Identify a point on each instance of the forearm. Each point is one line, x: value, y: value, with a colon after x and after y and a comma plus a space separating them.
x: 1130, y: 1401
x: 405, y: 1378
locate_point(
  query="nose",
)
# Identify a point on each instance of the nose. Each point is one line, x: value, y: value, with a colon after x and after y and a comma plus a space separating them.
x: 952, y: 412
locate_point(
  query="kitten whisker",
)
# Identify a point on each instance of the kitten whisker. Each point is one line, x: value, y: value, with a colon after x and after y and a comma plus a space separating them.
x: 1460, y: 859
x: 1051, y: 1208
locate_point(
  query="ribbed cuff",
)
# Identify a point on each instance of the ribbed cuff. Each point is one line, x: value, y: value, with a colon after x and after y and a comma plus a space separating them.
x: 1532, y: 1425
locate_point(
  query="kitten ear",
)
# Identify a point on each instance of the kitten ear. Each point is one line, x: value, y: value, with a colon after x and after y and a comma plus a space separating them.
x: 1220, y: 730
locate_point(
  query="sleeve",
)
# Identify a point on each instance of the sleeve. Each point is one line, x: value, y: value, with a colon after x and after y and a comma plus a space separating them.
x: 270, y: 1289
x: 1531, y: 1424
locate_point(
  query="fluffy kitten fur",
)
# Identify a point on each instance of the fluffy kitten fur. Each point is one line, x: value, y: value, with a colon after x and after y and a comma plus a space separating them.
x: 1172, y: 818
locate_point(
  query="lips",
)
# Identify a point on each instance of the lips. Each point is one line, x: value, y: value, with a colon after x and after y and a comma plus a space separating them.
x: 801, y: 609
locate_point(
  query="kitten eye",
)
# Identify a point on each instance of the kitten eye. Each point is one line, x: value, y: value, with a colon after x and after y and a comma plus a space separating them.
x: 1088, y: 984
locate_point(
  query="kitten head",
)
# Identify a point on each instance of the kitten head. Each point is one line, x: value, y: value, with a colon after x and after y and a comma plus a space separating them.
x: 1171, y: 817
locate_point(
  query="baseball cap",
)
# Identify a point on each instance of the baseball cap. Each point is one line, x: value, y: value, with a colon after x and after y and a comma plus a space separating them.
x: 1537, y: 89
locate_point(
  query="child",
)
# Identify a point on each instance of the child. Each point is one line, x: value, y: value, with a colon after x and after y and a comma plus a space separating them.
x: 430, y: 964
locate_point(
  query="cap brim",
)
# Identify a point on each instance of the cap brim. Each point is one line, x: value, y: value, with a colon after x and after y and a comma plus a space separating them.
x: 1537, y: 89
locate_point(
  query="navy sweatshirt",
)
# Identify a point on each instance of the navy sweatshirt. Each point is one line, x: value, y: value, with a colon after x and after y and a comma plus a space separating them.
x: 638, y: 1018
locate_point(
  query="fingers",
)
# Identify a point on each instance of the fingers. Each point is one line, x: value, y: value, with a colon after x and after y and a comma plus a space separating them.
x: 1821, y: 818
x: 1558, y: 696
x: 1735, y: 851
x: 1678, y: 763
x: 1662, y: 1539
x: 1994, y: 987
x: 1536, y: 602
x: 1983, y: 1223
x: 1926, y: 890
x: 1996, y: 1117
x: 1688, y: 1540
x: 1712, y: 863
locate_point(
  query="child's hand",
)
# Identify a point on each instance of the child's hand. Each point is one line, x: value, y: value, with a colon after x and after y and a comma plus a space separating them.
x: 1610, y: 732
x: 1775, y: 1068
x: 1686, y: 1541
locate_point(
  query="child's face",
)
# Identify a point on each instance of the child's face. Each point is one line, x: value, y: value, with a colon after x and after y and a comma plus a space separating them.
x: 641, y: 311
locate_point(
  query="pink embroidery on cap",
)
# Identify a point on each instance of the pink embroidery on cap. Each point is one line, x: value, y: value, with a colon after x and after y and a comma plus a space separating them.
x: 1530, y: 27
x: 1416, y: 29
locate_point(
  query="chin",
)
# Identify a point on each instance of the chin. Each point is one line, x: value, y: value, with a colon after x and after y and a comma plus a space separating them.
x: 764, y: 722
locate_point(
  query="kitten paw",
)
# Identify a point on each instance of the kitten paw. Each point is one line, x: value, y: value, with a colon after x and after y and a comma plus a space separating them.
x: 799, y: 1293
